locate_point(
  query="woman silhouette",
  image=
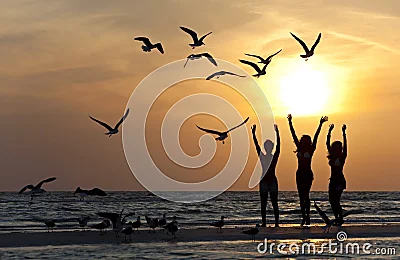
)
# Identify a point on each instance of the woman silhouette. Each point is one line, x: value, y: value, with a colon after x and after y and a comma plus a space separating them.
x: 304, y: 175
x: 268, y: 182
x: 337, y: 153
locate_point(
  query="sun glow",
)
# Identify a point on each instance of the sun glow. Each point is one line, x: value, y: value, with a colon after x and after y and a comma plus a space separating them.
x: 304, y: 91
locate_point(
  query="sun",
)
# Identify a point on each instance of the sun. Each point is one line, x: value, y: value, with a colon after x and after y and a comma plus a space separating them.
x: 304, y: 91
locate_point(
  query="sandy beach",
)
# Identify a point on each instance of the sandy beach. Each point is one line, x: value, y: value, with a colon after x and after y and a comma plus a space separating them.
x: 190, y: 235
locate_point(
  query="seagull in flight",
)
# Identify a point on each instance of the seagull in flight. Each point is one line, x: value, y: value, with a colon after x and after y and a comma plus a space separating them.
x: 196, y: 41
x: 309, y: 53
x: 222, y: 135
x: 38, y: 188
x: 199, y: 56
x: 262, y: 60
x: 111, y: 131
x: 260, y: 72
x: 221, y: 73
x: 148, y: 46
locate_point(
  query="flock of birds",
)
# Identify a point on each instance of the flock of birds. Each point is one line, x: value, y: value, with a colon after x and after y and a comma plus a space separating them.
x: 118, y: 221
x: 148, y: 46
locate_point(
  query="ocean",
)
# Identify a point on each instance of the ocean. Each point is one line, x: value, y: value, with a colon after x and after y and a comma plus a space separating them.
x: 240, y: 209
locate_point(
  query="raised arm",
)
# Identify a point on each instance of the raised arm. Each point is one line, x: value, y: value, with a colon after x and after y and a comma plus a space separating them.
x: 323, y: 120
x: 328, y: 137
x: 278, y: 143
x: 344, y: 141
x: 295, y: 139
x: 253, y: 130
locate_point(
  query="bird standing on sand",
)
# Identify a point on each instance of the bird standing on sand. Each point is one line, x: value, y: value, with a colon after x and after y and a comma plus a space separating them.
x: 196, y: 42
x: 219, y: 224
x: 153, y: 223
x: 116, y: 219
x: 84, y: 193
x: 222, y: 135
x: 260, y: 72
x: 137, y: 224
x: 221, y: 73
x: 262, y: 60
x: 199, y: 56
x: 83, y: 222
x: 50, y: 224
x: 309, y: 53
x: 252, y: 232
x: 38, y: 188
x: 148, y: 46
x: 101, y: 226
x: 112, y: 131
x: 162, y: 222
x: 127, y: 232
x: 172, y: 227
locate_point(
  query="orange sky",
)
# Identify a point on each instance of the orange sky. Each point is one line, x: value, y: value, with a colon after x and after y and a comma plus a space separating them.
x: 63, y: 60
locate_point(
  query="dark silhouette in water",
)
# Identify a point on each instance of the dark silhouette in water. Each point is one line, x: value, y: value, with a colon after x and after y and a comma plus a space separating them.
x: 304, y: 175
x: 93, y: 192
x: 269, y: 182
x: 337, y: 154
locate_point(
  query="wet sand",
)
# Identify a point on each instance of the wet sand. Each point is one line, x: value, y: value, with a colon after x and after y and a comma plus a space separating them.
x: 56, y: 238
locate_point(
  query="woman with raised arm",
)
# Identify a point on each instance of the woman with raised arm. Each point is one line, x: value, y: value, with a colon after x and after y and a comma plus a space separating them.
x: 269, y: 182
x: 305, y: 149
x: 337, y: 153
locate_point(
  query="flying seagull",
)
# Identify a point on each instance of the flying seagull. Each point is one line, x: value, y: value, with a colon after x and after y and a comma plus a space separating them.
x: 221, y: 73
x: 262, y: 60
x: 116, y: 219
x: 219, y: 224
x: 309, y: 53
x: 196, y: 42
x: 329, y: 223
x: 260, y: 72
x: 222, y: 135
x: 38, y: 188
x: 111, y: 131
x: 148, y: 46
x: 252, y: 232
x: 199, y: 56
